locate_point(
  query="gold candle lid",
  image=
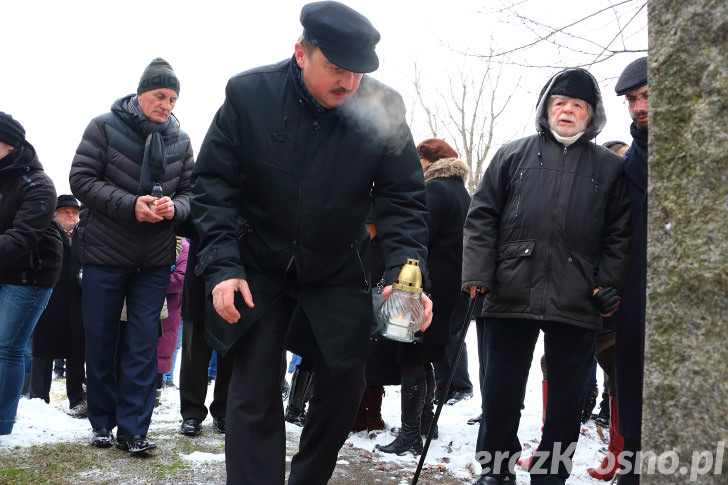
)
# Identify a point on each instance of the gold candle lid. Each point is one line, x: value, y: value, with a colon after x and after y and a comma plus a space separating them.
x: 410, y: 277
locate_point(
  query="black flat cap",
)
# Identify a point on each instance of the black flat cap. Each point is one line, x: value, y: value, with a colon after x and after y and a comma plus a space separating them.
x: 66, y: 200
x: 345, y: 36
x: 634, y: 76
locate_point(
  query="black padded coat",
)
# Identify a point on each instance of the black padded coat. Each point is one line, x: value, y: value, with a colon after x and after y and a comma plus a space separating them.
x: 547, y: 225
x: 105, y: 175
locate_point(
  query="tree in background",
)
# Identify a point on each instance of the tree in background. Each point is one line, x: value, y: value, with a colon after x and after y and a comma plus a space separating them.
x: 467, y: 114
x: 582, y: 38
x: 480, y: 101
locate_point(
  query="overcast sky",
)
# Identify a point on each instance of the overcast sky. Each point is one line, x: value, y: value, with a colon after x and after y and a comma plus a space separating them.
x: 65, y: 62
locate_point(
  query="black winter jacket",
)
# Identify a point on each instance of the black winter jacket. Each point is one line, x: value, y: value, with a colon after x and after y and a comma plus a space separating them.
x: 547, y: 225
x: 278, y: 185
x: 59, y: 332
x: 105, y: 175
x: 30, y: 246
x: 447, y: 206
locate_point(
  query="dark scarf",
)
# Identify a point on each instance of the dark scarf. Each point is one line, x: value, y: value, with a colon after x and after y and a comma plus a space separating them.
x: 640, y: 146
x: 154, y: 162
x: 640, y: 140
x: 299, y: 77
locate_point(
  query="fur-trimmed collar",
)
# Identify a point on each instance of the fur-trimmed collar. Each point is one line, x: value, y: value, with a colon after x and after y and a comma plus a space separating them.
x: 448, y: 167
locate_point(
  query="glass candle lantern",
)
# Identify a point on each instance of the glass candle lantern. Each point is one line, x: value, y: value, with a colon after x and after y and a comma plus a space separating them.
x: 402, y: 312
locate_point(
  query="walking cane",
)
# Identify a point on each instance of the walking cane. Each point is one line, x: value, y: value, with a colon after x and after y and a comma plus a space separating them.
x: 453, y: 367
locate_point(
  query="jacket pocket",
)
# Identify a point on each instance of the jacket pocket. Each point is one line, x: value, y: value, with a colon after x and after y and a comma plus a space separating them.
x: 513, y: 272
x: 574, y: 286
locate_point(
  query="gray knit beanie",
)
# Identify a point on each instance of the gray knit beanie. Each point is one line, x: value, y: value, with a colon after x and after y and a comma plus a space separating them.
x: 158, y: 74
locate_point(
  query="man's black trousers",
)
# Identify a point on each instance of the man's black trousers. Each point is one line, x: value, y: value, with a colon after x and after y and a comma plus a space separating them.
x: 509, y: 345
x: 193, y: 375
x: 255, y: 441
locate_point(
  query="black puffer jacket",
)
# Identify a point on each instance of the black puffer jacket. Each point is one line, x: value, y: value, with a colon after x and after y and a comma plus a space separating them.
x: 105, y: 175
x: 30, y: 246
x: 548, y: 224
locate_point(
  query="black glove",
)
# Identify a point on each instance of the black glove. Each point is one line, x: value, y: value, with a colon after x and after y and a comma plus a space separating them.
x: 606, y: 300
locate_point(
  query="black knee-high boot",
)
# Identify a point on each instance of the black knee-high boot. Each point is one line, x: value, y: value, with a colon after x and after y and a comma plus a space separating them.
x: 428, y: 408
x: 299, y: 394
x: 409, y: 439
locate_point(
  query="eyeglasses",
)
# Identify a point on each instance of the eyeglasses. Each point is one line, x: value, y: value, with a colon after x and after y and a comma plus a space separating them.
x: 632, y: 100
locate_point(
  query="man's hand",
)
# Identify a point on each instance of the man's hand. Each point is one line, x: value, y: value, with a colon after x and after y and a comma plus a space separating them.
x: 223, y: 298
x: 164, y: 207
x: 426, y: 306
x: 606, y: 300
x: 142, y: 211
x: 474, y: 289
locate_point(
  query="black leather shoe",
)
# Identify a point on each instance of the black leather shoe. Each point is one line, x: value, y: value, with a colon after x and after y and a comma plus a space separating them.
x: 135, y: 444
x: 191, y: 427
x: 219, y: 424
x: 476, y: 420
x: 102, y: 438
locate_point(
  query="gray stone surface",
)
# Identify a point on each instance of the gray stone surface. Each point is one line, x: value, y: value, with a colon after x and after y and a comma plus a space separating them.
x: 686, y: 356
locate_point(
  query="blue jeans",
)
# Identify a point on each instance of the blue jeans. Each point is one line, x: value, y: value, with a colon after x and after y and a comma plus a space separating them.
x: 169, y: 376
x: 20, y: 308
x: 212, y: 366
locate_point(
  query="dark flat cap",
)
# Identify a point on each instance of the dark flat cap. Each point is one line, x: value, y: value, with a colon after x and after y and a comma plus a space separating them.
x: 67, y: 200
x: 345, y: 36
x: 11, y: 132
x: 634, y: 76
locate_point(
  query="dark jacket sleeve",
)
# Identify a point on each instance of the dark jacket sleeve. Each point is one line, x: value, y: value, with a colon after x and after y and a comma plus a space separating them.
x: 181, y: 197
x: 217, y: 185
x: 35, y: 212
x: 614, y: 265
x: 399, y: 200
x: 480, y: 234
x: 87, y: 177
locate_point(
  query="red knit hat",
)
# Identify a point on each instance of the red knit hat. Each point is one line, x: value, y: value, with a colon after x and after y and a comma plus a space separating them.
x: 434, y: 149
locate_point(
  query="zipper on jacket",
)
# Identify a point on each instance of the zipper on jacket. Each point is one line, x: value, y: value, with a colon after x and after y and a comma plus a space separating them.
x: 361, y: 264
x: 557, y: 195
x: 518, y: 197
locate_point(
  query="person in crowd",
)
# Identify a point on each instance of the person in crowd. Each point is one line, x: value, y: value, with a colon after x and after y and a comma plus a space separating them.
x: 59, y: 332
x: 31, y: 259
x: 168, y: 378
x: 630, y: 320
x: 285, y: 177
x: 382, y: 368
x: 59, y: 368
x: 301, y: 389
x: 127, y: 245
x: 618, y: 147
x: 461, y: 388
x: 170, y: 326
x: 547, y: 237
x: 197, y: 353
x: 447, y: 206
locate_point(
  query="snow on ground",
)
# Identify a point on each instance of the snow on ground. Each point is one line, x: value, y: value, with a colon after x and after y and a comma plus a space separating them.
x: 38, y: 423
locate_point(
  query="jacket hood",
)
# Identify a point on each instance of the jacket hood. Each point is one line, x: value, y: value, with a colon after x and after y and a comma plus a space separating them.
x: 599, y: 119
x: 23, y: 159
x: 448, y: 167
